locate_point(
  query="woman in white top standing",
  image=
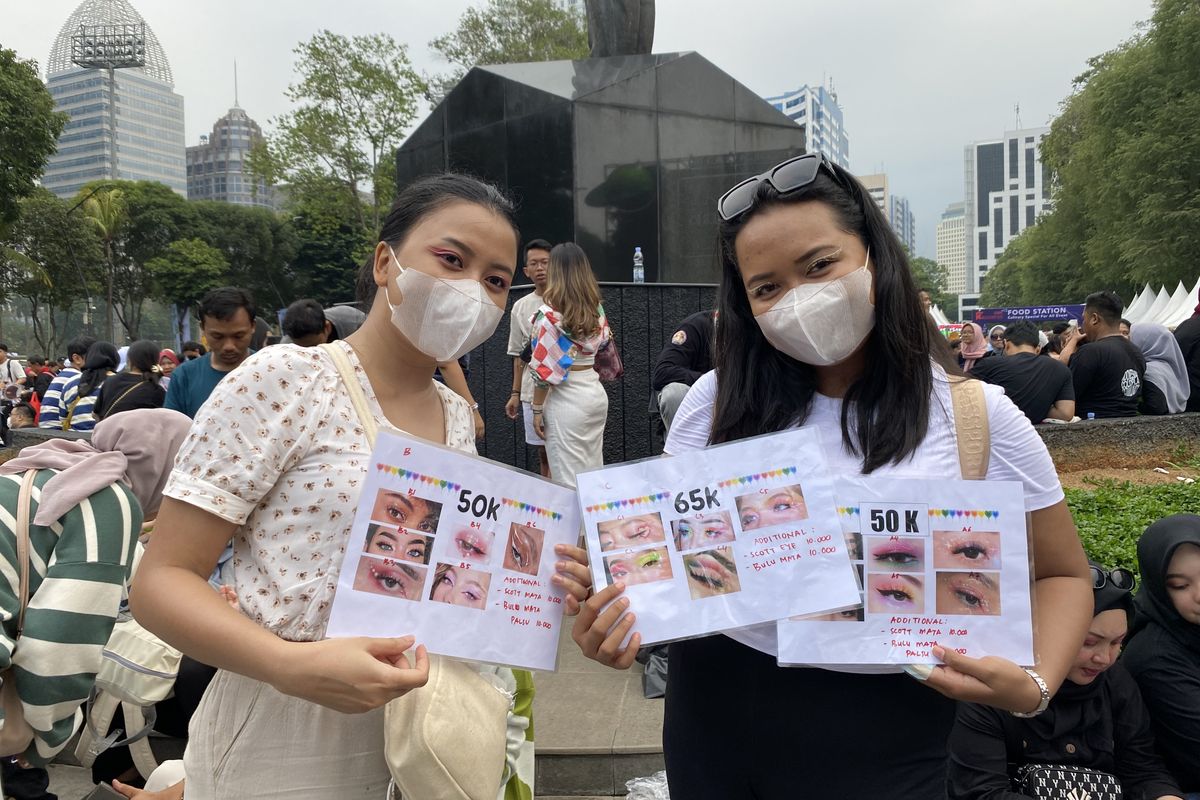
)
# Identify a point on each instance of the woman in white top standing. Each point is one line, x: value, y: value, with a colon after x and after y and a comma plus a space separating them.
x: 821, y: 325
x: 275, y: 461
x: 570, y: 406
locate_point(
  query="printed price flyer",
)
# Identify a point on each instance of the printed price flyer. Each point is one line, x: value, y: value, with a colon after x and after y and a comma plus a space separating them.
x: 457, y: 551
x: 721, y: 538
x: 939, y: 562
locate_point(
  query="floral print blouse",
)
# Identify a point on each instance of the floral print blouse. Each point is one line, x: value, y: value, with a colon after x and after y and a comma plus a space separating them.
x: 278, y: 450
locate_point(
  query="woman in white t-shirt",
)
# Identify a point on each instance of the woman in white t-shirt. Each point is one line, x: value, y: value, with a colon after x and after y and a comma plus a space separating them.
x: 821, y: 325
x: 275, y: 461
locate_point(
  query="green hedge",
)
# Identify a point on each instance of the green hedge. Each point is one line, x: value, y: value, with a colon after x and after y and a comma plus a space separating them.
x: 1111, y: 516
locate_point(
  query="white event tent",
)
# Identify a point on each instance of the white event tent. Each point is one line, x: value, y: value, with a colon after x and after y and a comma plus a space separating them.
x: 1163, y: 308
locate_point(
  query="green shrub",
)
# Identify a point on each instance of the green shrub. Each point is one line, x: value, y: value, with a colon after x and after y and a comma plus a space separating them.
x: 1111, y: 516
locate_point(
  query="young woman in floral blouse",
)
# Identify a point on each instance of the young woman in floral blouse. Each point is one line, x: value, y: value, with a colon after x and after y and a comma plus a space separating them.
x: 275, y: 461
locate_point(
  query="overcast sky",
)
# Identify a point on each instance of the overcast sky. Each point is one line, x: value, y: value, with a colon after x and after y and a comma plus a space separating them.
x: 917, y: 80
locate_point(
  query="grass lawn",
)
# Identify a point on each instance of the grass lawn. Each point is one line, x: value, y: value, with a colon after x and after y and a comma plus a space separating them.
x: 1112, y: 515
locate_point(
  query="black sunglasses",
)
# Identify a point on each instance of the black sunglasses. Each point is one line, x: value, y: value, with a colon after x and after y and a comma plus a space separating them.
x: 1120, y: 578
x: 790, y: 176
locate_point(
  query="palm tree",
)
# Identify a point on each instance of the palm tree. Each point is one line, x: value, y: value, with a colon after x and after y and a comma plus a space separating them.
x: 106, y: 211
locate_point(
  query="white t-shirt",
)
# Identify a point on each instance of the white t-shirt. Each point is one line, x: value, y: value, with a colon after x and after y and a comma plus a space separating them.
x: 1017, y: 454
x: 519, y: 333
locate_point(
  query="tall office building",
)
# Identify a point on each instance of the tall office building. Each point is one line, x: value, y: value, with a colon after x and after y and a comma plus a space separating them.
x: 817, y: 109
x: 952, y: 247
x: 1006, y: 190
x: 894, y: 207
x: 148, y: 114
x: 903, y: 223
x: 216, y: 168
x: 877, y: 186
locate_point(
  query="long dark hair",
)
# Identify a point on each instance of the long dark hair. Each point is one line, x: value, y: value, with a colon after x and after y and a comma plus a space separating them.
x: 421, y: 198
x: 102, y: 358
x: 143, y: 354
x: 885, y: 413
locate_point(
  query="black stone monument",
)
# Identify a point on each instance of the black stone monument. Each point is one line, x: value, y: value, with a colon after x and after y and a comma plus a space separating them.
x: 612, y: 153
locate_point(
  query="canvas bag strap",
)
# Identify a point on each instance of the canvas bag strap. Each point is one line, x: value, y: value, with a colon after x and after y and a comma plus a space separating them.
x: 971, y: 428
x: 358, y: 398
x: 24, y: 501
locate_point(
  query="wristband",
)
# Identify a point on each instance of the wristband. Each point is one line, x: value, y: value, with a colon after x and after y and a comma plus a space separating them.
x: 515, y: 393
x: 474, y: 406
x: 1045, y: 701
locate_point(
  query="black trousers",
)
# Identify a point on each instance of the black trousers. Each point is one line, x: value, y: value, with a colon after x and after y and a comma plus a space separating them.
x: 739, y: 726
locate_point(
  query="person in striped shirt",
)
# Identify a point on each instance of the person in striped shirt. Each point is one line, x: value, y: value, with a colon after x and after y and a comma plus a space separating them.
x: 65, y: 386
x: 89, y: 502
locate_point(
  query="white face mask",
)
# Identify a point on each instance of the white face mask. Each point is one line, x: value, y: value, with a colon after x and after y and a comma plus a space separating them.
x: 822, y: 323
x: 443, y: 319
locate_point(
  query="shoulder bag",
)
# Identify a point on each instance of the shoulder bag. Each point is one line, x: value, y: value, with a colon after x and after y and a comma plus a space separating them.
x: 971, y: 427
x: 608, y: 362
x: 447, y: 739
x: 1055, y: 781
x: 16, y: 735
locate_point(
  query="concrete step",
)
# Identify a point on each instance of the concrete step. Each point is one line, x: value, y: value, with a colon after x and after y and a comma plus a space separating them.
x: 593, y: 728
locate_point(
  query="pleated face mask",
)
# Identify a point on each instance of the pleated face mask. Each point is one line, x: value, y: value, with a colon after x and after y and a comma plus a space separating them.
x: 444, y: 319
x: 822, y: 323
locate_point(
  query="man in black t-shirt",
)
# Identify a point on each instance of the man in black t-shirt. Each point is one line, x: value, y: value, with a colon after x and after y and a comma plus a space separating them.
x: 1040, y: 386
x: 681, y: 363
x: 1108, y: 369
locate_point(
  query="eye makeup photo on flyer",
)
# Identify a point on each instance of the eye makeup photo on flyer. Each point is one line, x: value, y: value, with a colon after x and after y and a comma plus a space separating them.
x: 458, y: 552
x: 730, y: 536
x: 942, y: 562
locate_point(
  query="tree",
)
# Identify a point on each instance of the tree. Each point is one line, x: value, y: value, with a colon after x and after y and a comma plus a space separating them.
x: 257, y: 245
x: 1125, y: 157
x: 44, y: 257
x: 355, y: 99
x: 507, y: 32
x: 29, y: 130
x: 184, y: 273
x: 931, y: 276
x: 105, y: 210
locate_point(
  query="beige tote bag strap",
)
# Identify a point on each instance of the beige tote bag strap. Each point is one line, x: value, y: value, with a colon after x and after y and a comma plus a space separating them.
x: 971, y: 427
x: 24, y: 501
x: 358, y: 398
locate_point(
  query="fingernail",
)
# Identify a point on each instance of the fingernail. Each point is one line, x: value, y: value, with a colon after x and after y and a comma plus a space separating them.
x: 557, y: 579
x: 562, y: 566
x: 620, y: 586
x: 624, y: 601
x: 939, y: 652
x: 919, y: 671
x: 561, y: 549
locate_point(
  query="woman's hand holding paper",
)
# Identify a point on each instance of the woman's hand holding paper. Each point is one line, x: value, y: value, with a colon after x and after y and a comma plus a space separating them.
x: 992, y: 681
x: 352, y: 675
x: 573, y: 576
x: 602, y: 626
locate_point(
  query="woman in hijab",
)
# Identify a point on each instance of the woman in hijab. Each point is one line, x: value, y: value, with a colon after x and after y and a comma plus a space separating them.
x: 1164, y: 652
x: 1096, y: 720
x: 1166, y: 388
x: 972, y: 346
x: 86, y: 509
x: 996, y: 339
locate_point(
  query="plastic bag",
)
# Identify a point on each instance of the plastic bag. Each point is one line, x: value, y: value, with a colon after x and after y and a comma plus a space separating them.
x: 653, y: 787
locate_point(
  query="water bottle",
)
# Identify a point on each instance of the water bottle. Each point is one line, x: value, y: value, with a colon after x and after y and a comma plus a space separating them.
x: 639, y: 266
x: 1091, y: 415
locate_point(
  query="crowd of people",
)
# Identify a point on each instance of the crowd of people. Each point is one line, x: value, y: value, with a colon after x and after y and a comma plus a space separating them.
x: 1103, y: 368
x: 236, y: 466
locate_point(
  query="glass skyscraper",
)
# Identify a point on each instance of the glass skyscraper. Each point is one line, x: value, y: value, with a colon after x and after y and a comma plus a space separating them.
x: 216, y: 168
x: 148, y: 112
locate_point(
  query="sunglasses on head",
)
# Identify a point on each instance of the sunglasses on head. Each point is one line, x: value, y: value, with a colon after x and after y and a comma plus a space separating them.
x: 787, y: 177
x: 1120, y: 578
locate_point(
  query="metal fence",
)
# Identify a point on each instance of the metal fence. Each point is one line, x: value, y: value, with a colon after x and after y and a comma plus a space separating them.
x: 643, y: 317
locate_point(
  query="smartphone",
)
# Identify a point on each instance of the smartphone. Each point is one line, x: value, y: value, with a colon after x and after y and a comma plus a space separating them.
x: 104, y: 792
